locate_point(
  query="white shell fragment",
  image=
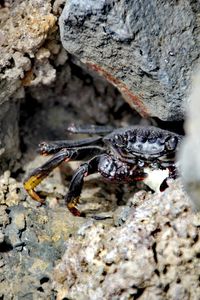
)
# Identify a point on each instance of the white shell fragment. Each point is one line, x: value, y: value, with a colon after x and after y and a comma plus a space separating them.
x: 155, y: 178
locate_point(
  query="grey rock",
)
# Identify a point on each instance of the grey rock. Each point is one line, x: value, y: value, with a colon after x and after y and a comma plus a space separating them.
x: 4, y: 219
x: 9, y: 134
x: 147, y: 49
x: 148, y: 255
x: 35, y: 68
x: 17, y: 225
x: 18, y: 218
x: 21, y: 35
x: 146, y: 248
x: 1, y: 238
x: 189, y: 155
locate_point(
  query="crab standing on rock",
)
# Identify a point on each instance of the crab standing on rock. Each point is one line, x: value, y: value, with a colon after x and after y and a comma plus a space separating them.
x: 121, y: 155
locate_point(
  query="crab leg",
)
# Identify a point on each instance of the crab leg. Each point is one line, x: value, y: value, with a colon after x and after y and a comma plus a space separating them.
x: 48, y: 148
x: 65, y: 154
x: 43, y: 171
x: 75, y: 188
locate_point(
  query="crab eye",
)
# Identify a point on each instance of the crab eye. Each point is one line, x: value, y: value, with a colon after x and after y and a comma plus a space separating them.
x: 132, y: 139
x: 140, y: 163
x: 141, y: 139
x: 119, y: 141
x: 171, y: 143
x: 152, y: 140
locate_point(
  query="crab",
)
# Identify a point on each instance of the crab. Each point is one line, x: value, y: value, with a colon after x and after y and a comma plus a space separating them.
x: 119, y: 155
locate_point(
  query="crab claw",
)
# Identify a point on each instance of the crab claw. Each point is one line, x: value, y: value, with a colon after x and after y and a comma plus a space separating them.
x: 31, y: 183
x: 42, y: 172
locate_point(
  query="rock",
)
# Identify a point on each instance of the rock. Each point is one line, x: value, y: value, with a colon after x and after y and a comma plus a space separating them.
x: 11, y: 192
x: 31, y: 240
x: 1, y: 238
x: 150, y: 249
x: 39, y: 82
x: 9, y: 134
x: 4, y: 219
x: 151, y: 255
x: 147, y: 50
x: 189, y: 154
x: 24, y: 28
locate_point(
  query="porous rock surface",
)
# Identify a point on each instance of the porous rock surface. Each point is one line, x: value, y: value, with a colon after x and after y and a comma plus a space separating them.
x: 147, y: 49
x: 24, y: 26
x: 151, y: 253
x: 149, y: 249
x: 31, y: 241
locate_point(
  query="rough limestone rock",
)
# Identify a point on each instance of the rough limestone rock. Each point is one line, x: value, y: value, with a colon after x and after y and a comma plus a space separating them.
x: 189, y: 155
x: 153, y: 253
x: 24, y: 26
x: 147, y: 49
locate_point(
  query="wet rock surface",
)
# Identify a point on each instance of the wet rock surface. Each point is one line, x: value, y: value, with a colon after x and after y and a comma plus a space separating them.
x: 147, y: 49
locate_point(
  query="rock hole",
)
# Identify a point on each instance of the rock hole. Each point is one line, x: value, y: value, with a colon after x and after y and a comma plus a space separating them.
x: 155, y: 253
x: 44, y: 279
x: 198, y: 255
x: 166, y: 288
x: 5, y: 247
x: 165, y: 269
x: 2, y: 3
x: 174, y: 126
x: 7, y: 210
x: 168, y: 224
x: 196, y: 240
x: 154, y: 232
x: 140, y: 291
